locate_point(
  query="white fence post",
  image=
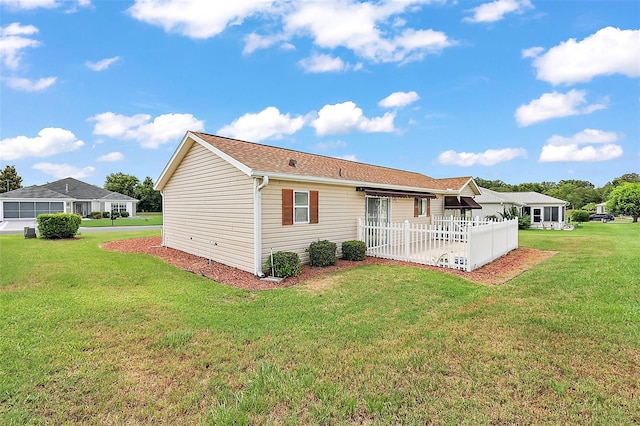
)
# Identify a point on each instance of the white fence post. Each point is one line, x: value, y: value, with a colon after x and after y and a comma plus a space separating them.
x: 407, y: 237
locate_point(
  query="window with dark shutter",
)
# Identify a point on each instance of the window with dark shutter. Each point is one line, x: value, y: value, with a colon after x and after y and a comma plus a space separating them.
x: 313, y: 206
x: 416, y: 203
x: 287, y: 206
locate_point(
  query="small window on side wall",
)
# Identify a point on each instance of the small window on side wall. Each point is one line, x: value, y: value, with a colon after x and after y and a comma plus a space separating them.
x: 421, y: 207
x: 299, y: 207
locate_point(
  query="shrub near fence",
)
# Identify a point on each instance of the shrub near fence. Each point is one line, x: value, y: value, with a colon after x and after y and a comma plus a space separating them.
x: 354, y: 250
x: 58, y: 225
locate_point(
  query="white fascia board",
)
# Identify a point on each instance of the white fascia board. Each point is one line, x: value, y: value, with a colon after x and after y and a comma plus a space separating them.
x: 186, y: 143
x: 173, y: 162
x: 226, y: 157
x: 342, y: 182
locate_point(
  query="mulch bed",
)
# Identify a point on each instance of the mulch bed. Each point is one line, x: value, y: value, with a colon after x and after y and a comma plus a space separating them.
x: 497, y: 272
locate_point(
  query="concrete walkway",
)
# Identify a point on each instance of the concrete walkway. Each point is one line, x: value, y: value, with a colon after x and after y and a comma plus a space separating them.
x: 9, y: 227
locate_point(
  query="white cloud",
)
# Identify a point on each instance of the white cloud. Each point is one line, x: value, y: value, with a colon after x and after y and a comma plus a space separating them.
x: 399, y: 99
x: 103, y: 64
x: 50, y: 141
x: 600, y: 147
x: 139, y: 128
x: 29, y: 4
x: 268, y: 123
x: 368, y: 29
x: 555, y: 105
x: 496, y: 10
x: 372, y: 30
x: 13, y: 41
x: 318, y: 63
x: 554, y: 153
x: 349, y: 157
x: 585, y: 136
x: 62, y: 171
x: 346, y: 117
x: 606, y: 52
x: 199, y: 19
x: 27, y: 85
x: 112, y: 156
x: 488, y: 158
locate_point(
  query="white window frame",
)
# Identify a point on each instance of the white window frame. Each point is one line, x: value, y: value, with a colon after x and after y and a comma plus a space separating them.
x: 297, y: 207
x: 423, y: 207
x: 118, y: 207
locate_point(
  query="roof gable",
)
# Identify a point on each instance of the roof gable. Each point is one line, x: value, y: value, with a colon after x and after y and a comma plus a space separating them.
x: 68, y: 188
x: 33, y: 191
x: 258, y: 160
x: 489, y: 196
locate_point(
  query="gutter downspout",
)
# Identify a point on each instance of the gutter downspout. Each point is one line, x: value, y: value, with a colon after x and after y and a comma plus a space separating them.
x: 164, y: 243
x: 257, y: 225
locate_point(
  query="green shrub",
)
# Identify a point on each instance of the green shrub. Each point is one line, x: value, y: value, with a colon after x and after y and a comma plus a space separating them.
x: 354, y: 250
x: 58, y: 225
x: 285, y: 264
x: 106, y: 215
x: 580, y: 216
x: 115, y: 215
x: 322, y: 253
x: 124, y: 214
x: 96, y: 215
x: 524, y: 222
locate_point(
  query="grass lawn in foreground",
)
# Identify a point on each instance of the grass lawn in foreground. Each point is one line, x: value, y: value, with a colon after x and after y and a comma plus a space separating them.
x: 96, y: 337
x: 141, y: 219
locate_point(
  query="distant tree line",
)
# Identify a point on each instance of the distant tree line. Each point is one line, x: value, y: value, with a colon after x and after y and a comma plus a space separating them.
x: 580, y: 194
x: 150, y: 199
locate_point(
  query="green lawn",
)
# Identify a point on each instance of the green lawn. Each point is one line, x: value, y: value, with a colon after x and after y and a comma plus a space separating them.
x: 141, y: 219
x: 95, y: 337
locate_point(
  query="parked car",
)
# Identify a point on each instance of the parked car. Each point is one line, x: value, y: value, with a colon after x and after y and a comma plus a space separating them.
x: 601, y: 216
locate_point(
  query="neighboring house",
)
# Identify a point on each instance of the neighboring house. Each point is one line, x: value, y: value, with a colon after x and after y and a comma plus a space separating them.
x: 545, y: 211
x: 63, y: 196
x: 601, y: 208
x: 234, y: 202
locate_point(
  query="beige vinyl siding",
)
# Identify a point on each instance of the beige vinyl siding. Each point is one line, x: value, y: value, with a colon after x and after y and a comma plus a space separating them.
x: 437, y: 206
x: 467, y: 191
x: 339, y: 208
x: 402, y: 209
x: 208, y: 210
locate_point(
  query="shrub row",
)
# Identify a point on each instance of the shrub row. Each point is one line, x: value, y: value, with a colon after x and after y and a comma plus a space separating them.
x: 107, y: 215
x: 58, y: 225
x: 321, y: 253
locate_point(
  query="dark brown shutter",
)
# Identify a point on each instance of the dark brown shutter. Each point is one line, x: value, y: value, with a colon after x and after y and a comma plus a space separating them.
x: 313, y: 206
x: 416, y: 201
x: 287, y: 206
x: 428, y: 207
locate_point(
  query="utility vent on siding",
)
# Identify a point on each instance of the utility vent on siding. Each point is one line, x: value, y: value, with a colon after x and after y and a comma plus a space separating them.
x: 292, y: 162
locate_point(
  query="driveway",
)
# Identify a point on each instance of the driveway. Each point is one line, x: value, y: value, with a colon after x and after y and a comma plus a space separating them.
x: 17, y: 227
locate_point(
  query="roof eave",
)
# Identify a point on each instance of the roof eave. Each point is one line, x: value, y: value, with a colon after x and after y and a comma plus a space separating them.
x: 343, y: 182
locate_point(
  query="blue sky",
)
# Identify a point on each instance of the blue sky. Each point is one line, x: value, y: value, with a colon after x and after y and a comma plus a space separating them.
x: 517, y: 90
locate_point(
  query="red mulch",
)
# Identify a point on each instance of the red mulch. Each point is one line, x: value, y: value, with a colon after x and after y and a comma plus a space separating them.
x: 497, y: 272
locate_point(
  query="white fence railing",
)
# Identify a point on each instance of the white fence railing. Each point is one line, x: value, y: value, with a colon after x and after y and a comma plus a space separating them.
x: 447, y: 242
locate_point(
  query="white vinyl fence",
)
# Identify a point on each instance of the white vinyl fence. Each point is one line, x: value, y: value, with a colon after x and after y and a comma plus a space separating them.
x: 465, y: 244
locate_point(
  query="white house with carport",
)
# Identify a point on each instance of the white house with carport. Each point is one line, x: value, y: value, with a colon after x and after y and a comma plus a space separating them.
x: 67, y: 195
x: 545, y: 211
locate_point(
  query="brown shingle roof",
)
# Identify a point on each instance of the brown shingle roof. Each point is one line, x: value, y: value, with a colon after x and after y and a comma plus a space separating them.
x: 269, y: 159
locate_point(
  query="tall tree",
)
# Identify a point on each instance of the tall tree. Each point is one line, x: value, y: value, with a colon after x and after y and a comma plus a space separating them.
x: 9, y: 179
x: 122, y: 183
x: 576, y: 192
x: 625, y: 199
x: 150, y: 199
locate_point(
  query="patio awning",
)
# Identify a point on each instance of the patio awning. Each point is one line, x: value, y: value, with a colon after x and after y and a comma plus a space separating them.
x: 462, y: 203
x: 379, y: 192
